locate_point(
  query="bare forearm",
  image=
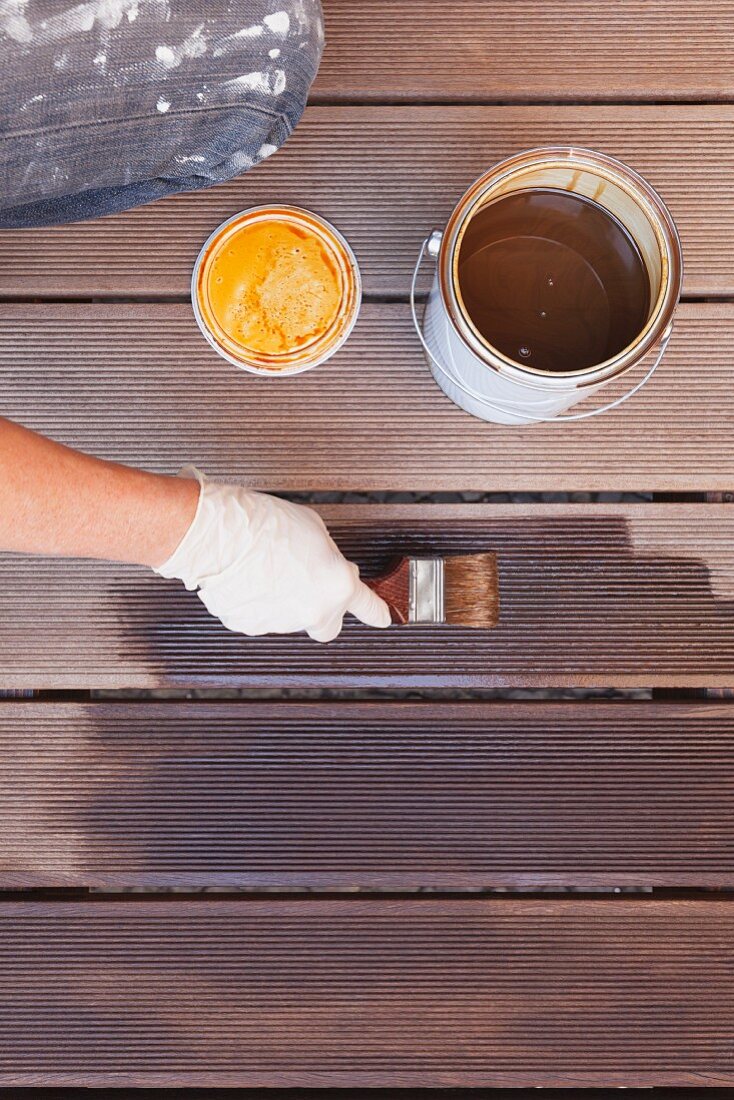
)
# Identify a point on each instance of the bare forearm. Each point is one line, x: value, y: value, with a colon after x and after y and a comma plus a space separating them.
x: 57, y: 501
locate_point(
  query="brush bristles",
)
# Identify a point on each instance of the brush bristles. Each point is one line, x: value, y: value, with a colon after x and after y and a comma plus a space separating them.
x: 471, y: 591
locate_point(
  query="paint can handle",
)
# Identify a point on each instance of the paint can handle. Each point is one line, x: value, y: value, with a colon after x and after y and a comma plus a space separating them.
x: 432, y: 246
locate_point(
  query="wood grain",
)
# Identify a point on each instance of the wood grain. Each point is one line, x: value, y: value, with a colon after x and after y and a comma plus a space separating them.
x: 449, y: 50
x: 367, y: 992
x: 623, y: 595
x: 386, y: 176
x: 139, y: 384
x: 372, y: 992
x: 395, y: 796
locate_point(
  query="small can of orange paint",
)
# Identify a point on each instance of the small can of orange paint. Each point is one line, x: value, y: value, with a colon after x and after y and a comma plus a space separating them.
x: 276, y: 290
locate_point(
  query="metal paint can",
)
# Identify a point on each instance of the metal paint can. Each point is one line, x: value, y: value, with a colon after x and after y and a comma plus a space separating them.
x: 479, y: 378
x: 305, y: 357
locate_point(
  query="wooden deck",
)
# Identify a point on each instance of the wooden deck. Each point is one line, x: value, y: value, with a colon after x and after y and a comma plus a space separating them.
x: 617, y: 595
x: 353, y: 992
x: 387, y: 176
x: 312, y: 800
x: 459, y: 51
x: 136, y: 382
x: 375, y: 795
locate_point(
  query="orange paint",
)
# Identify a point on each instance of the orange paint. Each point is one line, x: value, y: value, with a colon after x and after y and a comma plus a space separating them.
x: 275, y: 288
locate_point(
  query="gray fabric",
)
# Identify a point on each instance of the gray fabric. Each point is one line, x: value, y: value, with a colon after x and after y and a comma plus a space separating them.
x: 112, y: 103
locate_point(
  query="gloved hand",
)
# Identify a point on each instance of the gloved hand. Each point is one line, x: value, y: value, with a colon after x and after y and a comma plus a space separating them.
x: 266, y: 566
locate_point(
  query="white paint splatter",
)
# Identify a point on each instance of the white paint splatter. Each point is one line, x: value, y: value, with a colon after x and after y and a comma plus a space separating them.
x: 279, y: 22
x: 61, y: 61
x: 254, y: 82
x: 269, y: 83
x: 77, y: 20
x: 29, y: 173
x: 303, y: 17
x: 266, y: 151
x: 30, y: 102
x: 13, y: 21
x: 109, y: 13
x: 248, y: 32
x: 274, y: 54
x: 100, y: 59
x: 132, y: 13
x: 233, y: 41
x: 239, y: 161
x: 162, y: 105
x: 193, y: 46
x: 200, y: 97
x: 73, y: 21
x: 166, y: 56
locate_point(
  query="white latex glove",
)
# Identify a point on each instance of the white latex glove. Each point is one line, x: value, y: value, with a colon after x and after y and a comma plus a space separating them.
x: 266, y: 566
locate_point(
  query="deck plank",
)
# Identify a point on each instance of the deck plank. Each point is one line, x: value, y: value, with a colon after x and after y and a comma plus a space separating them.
x: 367, y: 992
x: 139, y: 384
x: 449, y: 50
x: 387, y: 176
x: 395, y: 796
x: 622, y: 595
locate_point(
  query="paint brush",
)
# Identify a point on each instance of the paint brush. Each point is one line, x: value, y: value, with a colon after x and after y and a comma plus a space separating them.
x: 462, y: 590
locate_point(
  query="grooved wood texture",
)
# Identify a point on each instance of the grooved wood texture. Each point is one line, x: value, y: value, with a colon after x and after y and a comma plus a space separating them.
x: 139, y: 383
x: 377, y: 992
x: 390, y: 796
x: 367, y: 993
x: 387, y: 176
x: 618, y: 595
x: 438, y: 50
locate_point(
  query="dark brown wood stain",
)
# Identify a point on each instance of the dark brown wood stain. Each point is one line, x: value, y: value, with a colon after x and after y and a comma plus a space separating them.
x: 394, y: 992
x: 629, y: 595
x: 552, y: 280
x: 393, y: 796
x: 367, y: 992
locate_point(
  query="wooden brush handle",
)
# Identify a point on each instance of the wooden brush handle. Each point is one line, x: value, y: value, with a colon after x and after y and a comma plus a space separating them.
x: 393, y: 588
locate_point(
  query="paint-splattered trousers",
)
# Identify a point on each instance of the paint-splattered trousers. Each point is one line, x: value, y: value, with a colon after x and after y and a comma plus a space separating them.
x: 112, y: 103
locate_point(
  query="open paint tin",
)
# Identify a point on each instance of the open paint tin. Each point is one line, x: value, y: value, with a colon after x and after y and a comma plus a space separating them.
x: 489, y: 384
x: 226, y: 263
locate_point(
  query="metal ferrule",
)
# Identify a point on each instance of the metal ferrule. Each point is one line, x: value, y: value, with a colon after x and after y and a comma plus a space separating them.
x: 425, y: 591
